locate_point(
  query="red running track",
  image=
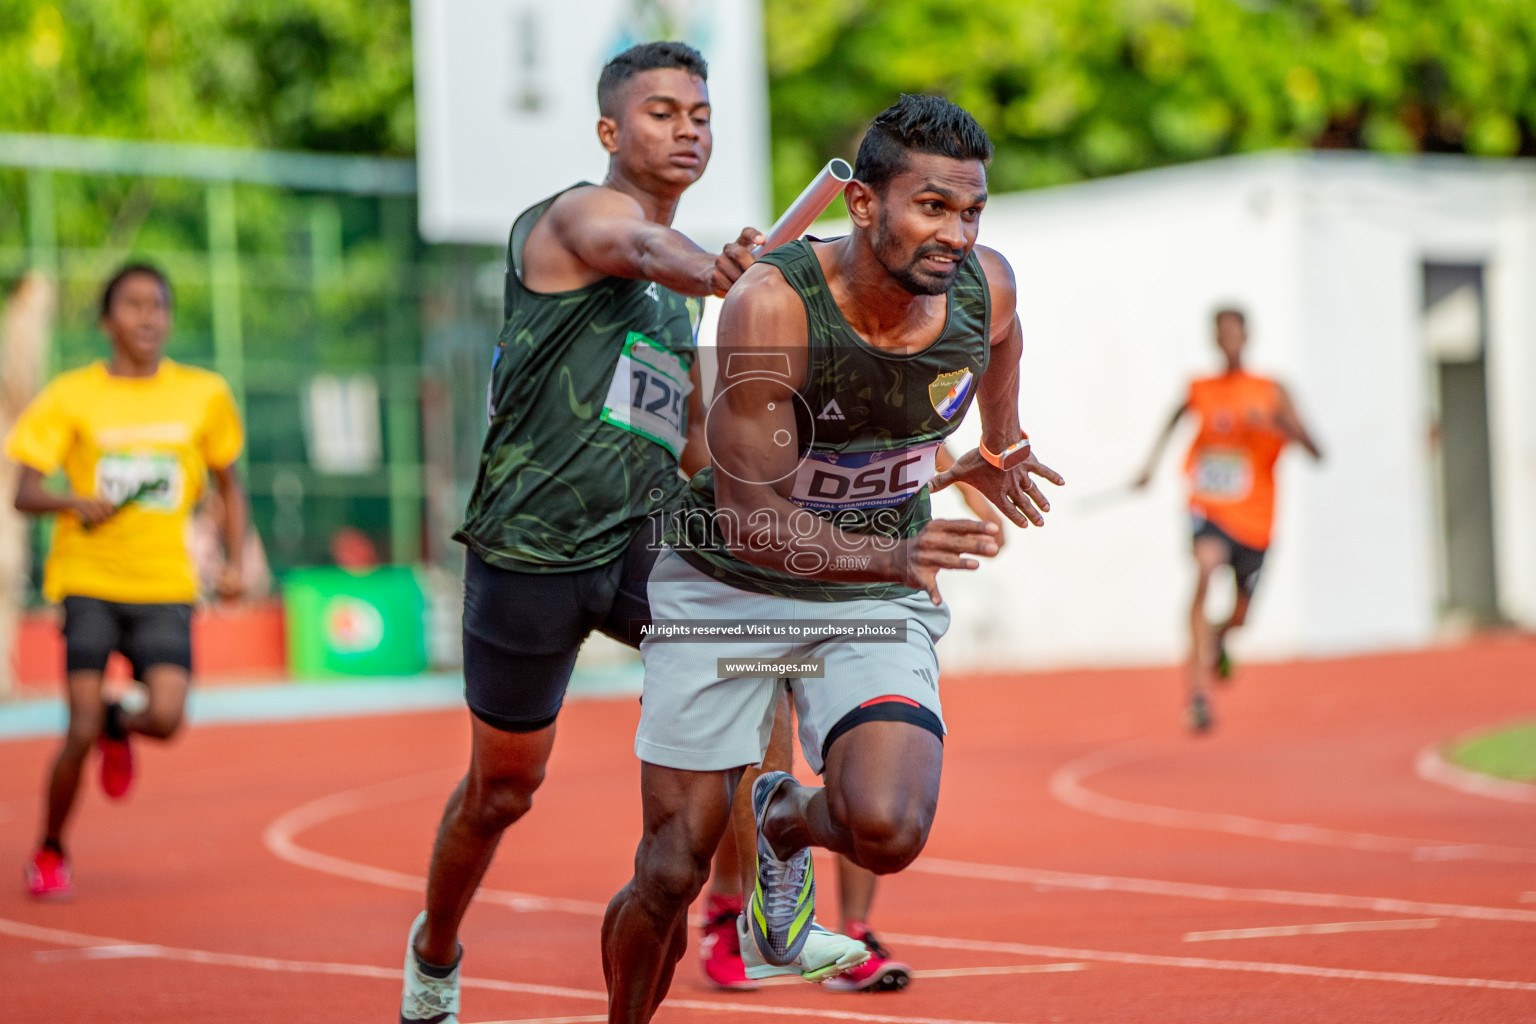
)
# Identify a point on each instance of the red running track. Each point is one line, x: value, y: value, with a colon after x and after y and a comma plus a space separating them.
x: 1090, y: 863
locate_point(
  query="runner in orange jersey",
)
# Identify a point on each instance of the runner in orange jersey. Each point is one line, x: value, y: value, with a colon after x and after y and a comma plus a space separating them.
x: 1245, y: 422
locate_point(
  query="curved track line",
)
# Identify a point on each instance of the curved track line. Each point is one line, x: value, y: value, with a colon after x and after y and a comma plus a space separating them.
x: 1066, y: 786
x: 1219, y: 893
x: 1432, y: 767
x: 1250, y: 966
x: 21, y: 929
x: 280, y: 836
x: 347, y: 801
x: 280, y: 840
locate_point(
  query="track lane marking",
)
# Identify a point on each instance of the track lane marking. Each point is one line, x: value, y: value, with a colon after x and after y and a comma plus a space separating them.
x: 1067, y: 786
x: 1203, y: 963
x: 980, y: 972
x: 55, y: 936
x: 1219, y: 893
x: 1432, y: 766
x: 130, y: 951
x: 1334, y: 928
x: 281, y: 839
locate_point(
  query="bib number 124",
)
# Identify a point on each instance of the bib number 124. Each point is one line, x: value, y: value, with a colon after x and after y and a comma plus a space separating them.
x: 648, y: 393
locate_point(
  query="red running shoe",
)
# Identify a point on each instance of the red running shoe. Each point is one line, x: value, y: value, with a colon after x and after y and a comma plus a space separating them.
x: 48, y: 876
x: 116, y: 765
x: 720, y: 947
x: 880, y: 973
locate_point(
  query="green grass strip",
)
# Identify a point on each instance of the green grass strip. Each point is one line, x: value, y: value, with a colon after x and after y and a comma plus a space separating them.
x: 1506, y: 754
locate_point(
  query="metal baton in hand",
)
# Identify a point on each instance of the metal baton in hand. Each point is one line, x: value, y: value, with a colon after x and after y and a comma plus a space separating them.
x: 802, y: 213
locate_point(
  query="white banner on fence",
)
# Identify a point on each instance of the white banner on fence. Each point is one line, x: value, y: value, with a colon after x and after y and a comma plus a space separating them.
x: 506, y: 107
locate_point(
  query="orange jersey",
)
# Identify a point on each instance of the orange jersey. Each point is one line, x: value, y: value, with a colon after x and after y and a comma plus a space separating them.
x: 1231, y: 465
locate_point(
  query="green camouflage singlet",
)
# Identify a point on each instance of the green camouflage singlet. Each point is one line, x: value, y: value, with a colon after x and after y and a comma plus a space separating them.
x: 588, y: 411
x: 869, y: 425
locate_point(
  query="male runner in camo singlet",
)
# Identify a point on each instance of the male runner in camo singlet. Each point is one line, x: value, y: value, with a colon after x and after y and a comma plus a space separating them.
x: 593, y: 401
x: 843, y: 366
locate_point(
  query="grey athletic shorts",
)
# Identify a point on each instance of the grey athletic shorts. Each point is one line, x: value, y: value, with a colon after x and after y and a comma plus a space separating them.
x: 694, y: 719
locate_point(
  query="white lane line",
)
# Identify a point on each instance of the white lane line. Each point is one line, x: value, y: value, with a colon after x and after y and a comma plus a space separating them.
x: 1335, y: 928
x: 21, y: 929
x: 1066, y: 785
x: 1220, y: 893
x: 1528, y: 897
x: 593, y: 1018
x: 1433, y: 767
x: 121, y: 952
x: 281, y: 834
x: 979, y: 972
x: 960, y: 972
x: 1203, y: 963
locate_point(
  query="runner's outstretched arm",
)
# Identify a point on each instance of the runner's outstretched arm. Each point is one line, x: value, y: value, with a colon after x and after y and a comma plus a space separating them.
x: 1145, y: 476
x: 1013, y: 490
x: 608, y: 232
x: 1291, y: 425
x: 226, y: 479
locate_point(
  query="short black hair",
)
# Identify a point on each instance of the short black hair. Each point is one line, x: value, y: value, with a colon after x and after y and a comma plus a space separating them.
x: 917, y: 124
x: 127, y: 271
x: 1229, y: 311
x: 646, y: 57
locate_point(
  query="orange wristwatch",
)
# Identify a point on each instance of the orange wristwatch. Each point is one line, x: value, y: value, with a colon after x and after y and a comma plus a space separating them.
x: 1009, y: 457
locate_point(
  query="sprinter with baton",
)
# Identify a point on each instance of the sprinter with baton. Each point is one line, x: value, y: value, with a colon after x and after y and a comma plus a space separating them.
x: 594, y: 404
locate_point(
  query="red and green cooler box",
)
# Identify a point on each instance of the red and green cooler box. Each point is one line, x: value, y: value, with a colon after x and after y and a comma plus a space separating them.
x: 343, y: 624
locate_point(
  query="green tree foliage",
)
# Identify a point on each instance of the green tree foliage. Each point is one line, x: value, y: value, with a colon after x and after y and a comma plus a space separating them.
x: 287, y: 74
x: 1071, y: 89
x: 1068, y: 88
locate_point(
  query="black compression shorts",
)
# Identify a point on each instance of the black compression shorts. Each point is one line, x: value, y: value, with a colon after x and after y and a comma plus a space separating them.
x: 146, y: 634
x: 522, y: 630
x: 1245, y: 561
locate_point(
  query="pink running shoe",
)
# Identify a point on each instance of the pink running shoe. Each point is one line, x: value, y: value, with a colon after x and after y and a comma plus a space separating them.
x: 48, y: 876
x: 116, y: 767
x: 720, y: 947
x: 116, y: 755
x: 880, y: 973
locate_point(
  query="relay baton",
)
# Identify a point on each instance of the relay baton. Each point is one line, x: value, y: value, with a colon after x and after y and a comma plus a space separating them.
x: 802, y: 213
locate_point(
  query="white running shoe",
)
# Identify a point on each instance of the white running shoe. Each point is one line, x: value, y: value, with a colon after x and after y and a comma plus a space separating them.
x: 823, y: 955
x: 427, y: 1000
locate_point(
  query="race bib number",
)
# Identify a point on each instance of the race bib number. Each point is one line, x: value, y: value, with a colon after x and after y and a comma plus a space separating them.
x: 1224, y: 475
x: 649, y: 393
x: 146, y: 480
x: 870, y: 480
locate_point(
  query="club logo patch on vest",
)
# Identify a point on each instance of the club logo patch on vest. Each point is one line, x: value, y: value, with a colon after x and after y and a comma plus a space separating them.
x: 949, y: 392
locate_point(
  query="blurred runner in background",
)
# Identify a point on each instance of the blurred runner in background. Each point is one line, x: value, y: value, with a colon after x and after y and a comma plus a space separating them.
x: 136, y: 436
x: 1245, y: 421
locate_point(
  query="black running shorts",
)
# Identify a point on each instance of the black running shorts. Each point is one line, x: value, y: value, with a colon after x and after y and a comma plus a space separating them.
x: 1245, y: 561
x: 146, y: 634
x: 522, y: 630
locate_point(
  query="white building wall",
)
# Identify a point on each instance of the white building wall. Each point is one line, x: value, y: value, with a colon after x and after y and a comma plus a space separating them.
x: 1117, y: 280
x: 1512, y: 394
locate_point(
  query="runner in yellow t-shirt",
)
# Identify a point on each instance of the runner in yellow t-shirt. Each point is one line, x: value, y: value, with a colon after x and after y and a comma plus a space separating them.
x: 135, y: 436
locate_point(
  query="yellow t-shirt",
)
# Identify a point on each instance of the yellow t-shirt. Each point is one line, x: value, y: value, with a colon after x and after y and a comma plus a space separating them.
x: 149, y: 438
